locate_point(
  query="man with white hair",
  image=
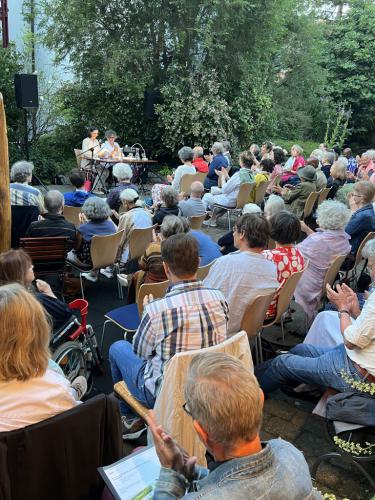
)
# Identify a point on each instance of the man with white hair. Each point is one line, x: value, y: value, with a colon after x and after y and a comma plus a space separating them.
x: 218, y: 161
x: 53, y: 222
x: 123, y: 174
x: 225, y: 404
x: 21, y: 193
x: 194, y: 205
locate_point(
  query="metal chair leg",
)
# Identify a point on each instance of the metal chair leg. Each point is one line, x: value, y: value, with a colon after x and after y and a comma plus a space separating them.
x: 260, y: 350
x: 103, y: 333
x: 228, y: 215
x: 81, y: 282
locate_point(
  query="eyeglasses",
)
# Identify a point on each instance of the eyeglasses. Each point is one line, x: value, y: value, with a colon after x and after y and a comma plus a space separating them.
x: 357, y: 195
x: 186, y: 410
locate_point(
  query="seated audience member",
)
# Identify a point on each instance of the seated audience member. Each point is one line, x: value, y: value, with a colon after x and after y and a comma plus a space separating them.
x: 279, y: 160
x: 352, y: 162
x: 266, y: 150
x: 296, y: 161
x: 327, y: 161
x: 243, y: 275
x: 273, y: 205
x: 320, y: 248
x: 186, y: 156
x: 366, y: 165
x: 230, y: 187
x: 255, y: 150
x: 266, y: 166
x: 321, y: 179
x: 169, y: 205
x: 77, y: 197
x: 123, y: 174
x: 226, y: 242
x: 285, y: 229
x: 16, y: 266
x: 191, y: 316
x: 198, y: 161
x: 324, y: 366
x: 336, y: 179
x: 21, y: 193
x: 151, y: 264
x: 218, y: 161
x: 134, y: 217
x: 53, y: 222
x: 226, y: 146
x: 30, y: 389
x: 243, y: 466
x: 95, y: 218
x: 208, y: 249
x: 295, y: 197
x: 193, y: 205
x: 329, y: 330
x: 363, y: 219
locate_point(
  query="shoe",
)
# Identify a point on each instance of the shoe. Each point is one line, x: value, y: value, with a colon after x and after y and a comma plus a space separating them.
x: 122, y: 279
x: 90, y: 277
x: 133, y: 427
x: 106, y: 272
x: 79, y: 384
x: 210, y: 223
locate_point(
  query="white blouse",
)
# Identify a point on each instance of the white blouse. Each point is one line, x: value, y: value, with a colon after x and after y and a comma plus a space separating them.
x: 87, y: 144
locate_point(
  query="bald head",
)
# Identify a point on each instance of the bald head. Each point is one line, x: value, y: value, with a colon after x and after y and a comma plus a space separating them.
x: 196, y: 189
x: 54, y: 202
x: 347, y: 152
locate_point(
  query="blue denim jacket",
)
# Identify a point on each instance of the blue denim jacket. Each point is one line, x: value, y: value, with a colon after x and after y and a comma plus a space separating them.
x: 278, y: 472
x: 359, y: 225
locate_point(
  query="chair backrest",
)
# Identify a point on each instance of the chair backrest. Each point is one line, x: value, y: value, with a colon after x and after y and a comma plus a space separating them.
x: 22, y: 217
x: 260, y: 191
x: 187, y: 180
x: 53, y: 453
x: 358, y: 255
x: 48, y: 254
x: 203, y: 271
x: 196, y: 221
x: 104, y: 249
x: 72, y: 214
x: 255, y: 313
x: 139, y: 241
x: 286, y: 292
x: 323, y: 194
x: 244, y: 194
x: 201, y: 176
x: 332, y: 272
x: 168, y: 405
x: 78, y: 155
x: 157, y: 290
x: 310, y: 204
x: 277, y: 180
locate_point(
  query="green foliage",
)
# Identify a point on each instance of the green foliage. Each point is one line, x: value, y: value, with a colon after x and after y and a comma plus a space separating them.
x: 307, y: 146
x: 337, y: 128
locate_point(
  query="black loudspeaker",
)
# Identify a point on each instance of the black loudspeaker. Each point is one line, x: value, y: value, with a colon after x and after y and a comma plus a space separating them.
x: 152, y: 97
x: 26, y: 90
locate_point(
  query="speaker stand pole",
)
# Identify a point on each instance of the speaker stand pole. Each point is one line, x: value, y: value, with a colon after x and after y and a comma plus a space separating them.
x: 26, y: 135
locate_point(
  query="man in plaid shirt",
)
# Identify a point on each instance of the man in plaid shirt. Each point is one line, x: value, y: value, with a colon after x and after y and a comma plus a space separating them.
x: 191, y: 316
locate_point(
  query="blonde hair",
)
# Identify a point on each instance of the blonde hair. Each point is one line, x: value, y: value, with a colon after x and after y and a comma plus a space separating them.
x: 24, y: 334
x: 298, y: 148
x: 224, y: 397
x: 339, y: 170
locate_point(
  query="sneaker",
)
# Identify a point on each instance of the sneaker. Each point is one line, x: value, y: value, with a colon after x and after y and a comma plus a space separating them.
x: 106, y: 272
x: 207, y: 222
x: 90, y: 277
x: 122, y: 279
x: 79, y: 384
x: 133, y: 427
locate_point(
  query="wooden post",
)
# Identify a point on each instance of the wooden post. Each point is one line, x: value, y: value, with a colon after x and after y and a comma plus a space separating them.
x: 5, y: 212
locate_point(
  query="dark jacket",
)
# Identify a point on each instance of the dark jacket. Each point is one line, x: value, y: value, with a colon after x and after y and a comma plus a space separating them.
x: 335, y: 186
x: 218, y: 161
x: 296, y: 198
x: 52, y: 225
x: 163, y: 212
x: 360, y: 224
x: 58, y: 458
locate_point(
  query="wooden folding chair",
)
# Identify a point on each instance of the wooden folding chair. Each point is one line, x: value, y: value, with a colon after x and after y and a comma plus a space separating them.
x: 253, y: 319
x: 203, y: 271
x: 260, y: 191
x: 196, y: 221
x: 78, y: 155
x: 323, y: 195
x: 71, y: 214
x: 310, y: 204
x: 352, y: 274
x: 188, y: 179
x: 242, y: 199
x: 139, y: 241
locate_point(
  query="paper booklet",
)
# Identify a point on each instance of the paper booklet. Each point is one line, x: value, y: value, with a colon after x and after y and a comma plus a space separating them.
x: 134, y: 477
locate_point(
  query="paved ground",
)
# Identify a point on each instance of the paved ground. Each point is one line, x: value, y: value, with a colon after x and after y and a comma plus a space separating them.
x: 284, y: 417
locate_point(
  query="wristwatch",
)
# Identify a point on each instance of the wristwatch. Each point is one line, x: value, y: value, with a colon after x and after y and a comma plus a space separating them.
x: 344, y: 311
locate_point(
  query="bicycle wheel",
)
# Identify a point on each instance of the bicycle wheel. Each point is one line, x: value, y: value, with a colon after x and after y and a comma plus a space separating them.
x: 71, y: 359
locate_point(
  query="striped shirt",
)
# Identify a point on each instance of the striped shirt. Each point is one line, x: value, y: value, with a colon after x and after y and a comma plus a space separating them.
x: 191, y: 316
x: 25, y: 195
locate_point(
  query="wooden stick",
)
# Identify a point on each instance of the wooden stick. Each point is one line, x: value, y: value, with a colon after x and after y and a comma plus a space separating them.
x: 5, y: 211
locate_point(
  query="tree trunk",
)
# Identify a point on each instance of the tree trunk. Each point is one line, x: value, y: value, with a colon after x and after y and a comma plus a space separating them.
x: 5, y: 213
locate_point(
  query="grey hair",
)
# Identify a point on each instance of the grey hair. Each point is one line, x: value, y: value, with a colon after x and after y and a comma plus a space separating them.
x: 174, y: 225
x: 217, y: 147
x: 317, y: 153
x: 368, y: 251
x: 53, y: 201
x: 256, y: 148
x: 298, y: 148
x: 122, y: 171
x: 21, y: 170
x: 96, y: 209
x: 169, y: 197
x: 332, y: 215
x: 370, y: 153
x: 273, y: 205
x: 109, y: 133
x: 186, y: 154
x: 329, y: 156
x: 343, y: 160
x: 226, y: 145
x: 251, y: 208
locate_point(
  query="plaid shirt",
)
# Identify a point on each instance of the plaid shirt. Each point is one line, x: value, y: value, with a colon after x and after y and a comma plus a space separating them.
x: 189, y: 317
x: 25, y: 195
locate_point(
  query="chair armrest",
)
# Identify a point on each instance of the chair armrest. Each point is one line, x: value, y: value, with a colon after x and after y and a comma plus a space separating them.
x: 122, y: 390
